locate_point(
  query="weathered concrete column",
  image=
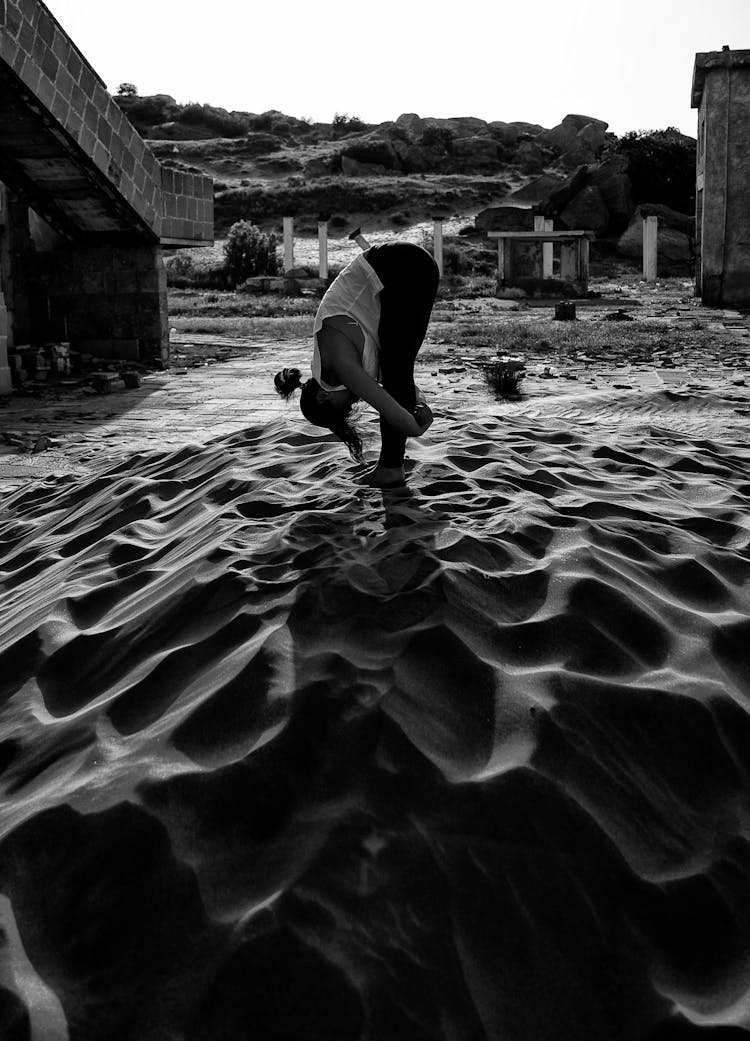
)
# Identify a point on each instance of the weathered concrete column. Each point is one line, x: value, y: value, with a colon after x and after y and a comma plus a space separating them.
x: 503, y: 260
x: 650, y: 246
x: 543, y: 224
x: 437, y: 244
x: 323, y: 249
x: 5, y: 381
x: 568, y: 261
x: 548, y: 256
x: 288, y: 243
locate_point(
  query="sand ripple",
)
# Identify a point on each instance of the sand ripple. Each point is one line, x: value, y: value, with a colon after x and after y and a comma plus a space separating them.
x: 286, y: 757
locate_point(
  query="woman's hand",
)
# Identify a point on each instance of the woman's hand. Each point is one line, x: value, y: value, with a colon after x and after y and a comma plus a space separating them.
x: 423, y: 418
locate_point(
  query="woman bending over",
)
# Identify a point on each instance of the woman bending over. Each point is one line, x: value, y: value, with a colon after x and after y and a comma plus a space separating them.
x: 367, y: 333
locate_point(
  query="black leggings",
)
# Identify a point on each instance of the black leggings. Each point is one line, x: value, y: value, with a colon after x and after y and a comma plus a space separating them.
x: 410, y: 281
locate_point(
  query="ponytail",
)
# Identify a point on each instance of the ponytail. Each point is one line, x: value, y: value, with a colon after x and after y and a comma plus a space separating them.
x: 286, y: 382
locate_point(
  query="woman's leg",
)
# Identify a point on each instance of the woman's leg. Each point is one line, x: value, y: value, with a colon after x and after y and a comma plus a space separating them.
x: 410, y: 278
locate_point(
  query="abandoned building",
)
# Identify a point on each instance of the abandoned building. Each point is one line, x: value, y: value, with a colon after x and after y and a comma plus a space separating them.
x: 721, y: 93
x: 85, y: 207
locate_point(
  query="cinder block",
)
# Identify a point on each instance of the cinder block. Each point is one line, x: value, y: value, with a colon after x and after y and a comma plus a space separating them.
x: 26, y: 37
x: 100, y: 156
x: 29, y: 9
x: 65, y: 83
x: 49, y: 63
x: 78, y: 100
x: 45, y: 27
x: 128, y: 162
x: 60, y: 107
x: 61, y: 47
x: 104, y: 132
x: 75, y: 64
x: 13, y: 20
x: 87, y: 81
x: 45, y: 91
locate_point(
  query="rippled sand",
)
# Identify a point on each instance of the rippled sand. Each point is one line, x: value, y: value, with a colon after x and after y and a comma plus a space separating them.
x: 285, y: 757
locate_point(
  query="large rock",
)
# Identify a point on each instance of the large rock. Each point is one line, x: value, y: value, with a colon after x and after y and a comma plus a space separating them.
x: 462, y: 126
x: 587, y: 210
x: 372, y: 148
x: 505, y: 218
x: 532, y: 129
x: 530, y: 157
x: 319, y: 167
x: 413, y: 158
x: 353, y: 168
x: 675, y: 240
x: 505, y: 133
x: 411, y: 123
x: 576, y: 134
x: 611, y: 178
x: 538, y: 190
x: 559, y: 197
x: 478, y: 149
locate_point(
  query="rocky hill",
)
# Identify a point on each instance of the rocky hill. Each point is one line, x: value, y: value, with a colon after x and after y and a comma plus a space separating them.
x: 492, y: 174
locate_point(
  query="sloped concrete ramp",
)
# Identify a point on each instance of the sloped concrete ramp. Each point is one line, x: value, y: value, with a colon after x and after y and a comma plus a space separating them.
x: 101, y: 202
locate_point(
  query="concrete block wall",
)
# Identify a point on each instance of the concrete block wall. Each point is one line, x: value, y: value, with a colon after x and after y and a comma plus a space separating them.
x: 51, y: 67
x: 187, y: 207
x: 106, y: 300
x: 721, y: 93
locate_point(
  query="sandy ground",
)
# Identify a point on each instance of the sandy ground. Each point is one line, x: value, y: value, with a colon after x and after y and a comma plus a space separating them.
x: 284, y: 756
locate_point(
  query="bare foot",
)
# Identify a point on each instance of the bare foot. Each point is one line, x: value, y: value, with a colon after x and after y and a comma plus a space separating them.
x: 384, y: 477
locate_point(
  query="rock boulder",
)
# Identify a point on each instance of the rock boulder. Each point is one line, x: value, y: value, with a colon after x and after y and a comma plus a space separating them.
x: 586, y: 210
x: 675, y: 240
x: 505, y: 218
x: 477, y: 149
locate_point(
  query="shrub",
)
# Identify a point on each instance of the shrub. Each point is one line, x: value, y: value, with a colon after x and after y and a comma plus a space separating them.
x: 223, y: 123
x: 661, y: 167
x: 343, y: 124
x: 127, y: 90
x: 504, y: 376
x: 248, y: 252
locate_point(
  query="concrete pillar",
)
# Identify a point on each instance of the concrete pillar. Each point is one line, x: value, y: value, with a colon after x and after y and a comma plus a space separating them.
x: 323, y: 249
x: 437, y: 244
x: 583, y: 260
x: 5, y: 384
x: 542, y: 224
x: 503, y: 260
x: 5, y: 381
x: 548, y: 253
x: 569, y: 261
x: 288, y: 243
x: 650, y: 244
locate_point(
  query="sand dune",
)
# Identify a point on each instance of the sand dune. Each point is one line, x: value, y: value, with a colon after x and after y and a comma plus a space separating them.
x: 286, y: 757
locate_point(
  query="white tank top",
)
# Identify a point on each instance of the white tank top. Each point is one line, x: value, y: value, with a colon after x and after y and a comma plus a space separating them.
x: 354, y: 293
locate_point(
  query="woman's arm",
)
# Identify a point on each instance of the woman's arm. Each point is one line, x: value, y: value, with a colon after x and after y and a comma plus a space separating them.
x: 340, y: 354
x: 357, y: 380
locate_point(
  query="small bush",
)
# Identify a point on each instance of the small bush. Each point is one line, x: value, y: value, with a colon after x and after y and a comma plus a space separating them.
x: 248, y: 252
x: 504, y: 376
x: 344, y: 124
x: 661, y: 167
x: 218, y: 120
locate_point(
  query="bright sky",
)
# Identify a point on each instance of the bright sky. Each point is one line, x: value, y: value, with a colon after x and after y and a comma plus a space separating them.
x: 628, y: 62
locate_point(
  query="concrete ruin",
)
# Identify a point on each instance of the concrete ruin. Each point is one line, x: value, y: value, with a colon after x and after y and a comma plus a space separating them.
x: 721, y: 93
x: 85, y: 207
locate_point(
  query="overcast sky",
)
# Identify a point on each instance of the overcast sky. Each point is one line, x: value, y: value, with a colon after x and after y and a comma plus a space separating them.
x: 628, y: 62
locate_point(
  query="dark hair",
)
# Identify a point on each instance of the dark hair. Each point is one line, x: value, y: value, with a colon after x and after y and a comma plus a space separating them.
x: 320, y: 414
